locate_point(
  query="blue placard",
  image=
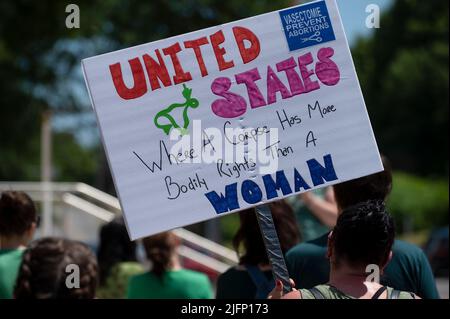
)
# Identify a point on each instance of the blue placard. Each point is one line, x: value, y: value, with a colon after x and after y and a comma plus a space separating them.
x: 307, y: 25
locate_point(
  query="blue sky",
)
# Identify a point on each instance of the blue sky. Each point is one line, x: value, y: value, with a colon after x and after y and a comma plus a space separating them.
x: 353, y: 14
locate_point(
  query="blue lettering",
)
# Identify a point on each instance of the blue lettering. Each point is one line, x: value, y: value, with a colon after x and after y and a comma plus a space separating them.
x: 299, y: 182
x: 251, y: 192
x: 320, y: 174
x: 272, y: 186
x: 224, y: 204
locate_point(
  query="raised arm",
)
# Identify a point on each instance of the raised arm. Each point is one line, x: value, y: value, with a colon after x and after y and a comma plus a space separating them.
x: 324, y: 209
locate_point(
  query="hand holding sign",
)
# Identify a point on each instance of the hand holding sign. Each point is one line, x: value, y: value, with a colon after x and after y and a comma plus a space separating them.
x: 285, y: 62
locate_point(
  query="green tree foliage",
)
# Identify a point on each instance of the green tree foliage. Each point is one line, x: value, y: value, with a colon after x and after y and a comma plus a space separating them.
x: 418, y: 203
x: 134, y: 22
x: 73, y: 163
x: 403, y: 71
x: 39, y: 56
x: 31, y: 70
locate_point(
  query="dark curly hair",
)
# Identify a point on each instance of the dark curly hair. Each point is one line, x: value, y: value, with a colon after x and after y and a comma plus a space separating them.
x: 115, y: 247
x: 43, y: 272
x: 364, y: 234
x: 249, y: 235
x: 17, y: 213
x: 376, y: 186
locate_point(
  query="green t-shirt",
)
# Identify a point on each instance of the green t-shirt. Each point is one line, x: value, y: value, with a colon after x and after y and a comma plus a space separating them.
x: 10, y: 260
x: 174, y: 284
x: 310, y: 226
x: 330, y: 292
x: 116, y: 284
x: 237, y: 284
x: 409, y: 269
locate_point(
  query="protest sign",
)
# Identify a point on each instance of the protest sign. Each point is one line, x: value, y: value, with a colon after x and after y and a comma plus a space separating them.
x: 230, y: 117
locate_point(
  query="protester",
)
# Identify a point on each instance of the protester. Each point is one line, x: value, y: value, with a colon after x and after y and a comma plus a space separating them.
x: 409, y: 269
x: 116, y: 260
x: 18, y: 222
x: 363, y: 235
x: 167, y: 279
x: 252, y: 278
x: 56, y: 268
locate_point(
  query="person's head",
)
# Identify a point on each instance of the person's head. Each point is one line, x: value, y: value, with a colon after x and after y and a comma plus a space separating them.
x: 115, y: 247
x: 160, y: 250
x: 46, y: 265
x: 18, y: 217
x: 372, y: 187
x: 363, y: 235
x: 249, y: 235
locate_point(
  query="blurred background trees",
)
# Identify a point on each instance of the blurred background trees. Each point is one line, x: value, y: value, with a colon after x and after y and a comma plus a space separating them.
x: 403, y: 69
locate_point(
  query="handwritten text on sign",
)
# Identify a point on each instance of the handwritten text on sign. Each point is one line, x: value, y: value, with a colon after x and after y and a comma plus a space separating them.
x: 229, y: 117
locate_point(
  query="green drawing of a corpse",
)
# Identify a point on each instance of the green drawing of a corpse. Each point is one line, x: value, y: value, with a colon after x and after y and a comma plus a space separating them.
x: 166, y: 113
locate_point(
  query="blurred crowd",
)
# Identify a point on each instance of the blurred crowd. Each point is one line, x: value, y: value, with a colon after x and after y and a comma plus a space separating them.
x: 339, y: 243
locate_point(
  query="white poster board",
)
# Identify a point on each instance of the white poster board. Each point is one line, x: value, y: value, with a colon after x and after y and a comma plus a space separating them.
x: 285, y: 81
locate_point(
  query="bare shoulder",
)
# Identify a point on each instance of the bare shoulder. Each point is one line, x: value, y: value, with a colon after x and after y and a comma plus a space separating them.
x: 293, y: 295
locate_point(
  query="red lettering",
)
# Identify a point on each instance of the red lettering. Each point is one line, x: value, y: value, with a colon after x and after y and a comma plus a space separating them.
x: 195, y: 45
x: 180, y: 76
x: 140, y: 86
x: 217, y: 39
x: 252, y: 52
x: 156, y: 70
